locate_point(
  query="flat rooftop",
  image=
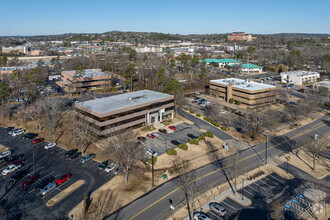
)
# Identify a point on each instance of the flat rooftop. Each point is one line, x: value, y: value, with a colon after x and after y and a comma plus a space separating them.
x: 122, y: 101
x: 89, y: 73
x: 242, y: 84
x: 323, y: 83
x: 300, y: 73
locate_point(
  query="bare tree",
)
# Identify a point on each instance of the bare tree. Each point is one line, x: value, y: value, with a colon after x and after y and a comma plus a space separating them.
x: 252, y: 124
x: 314, y: 148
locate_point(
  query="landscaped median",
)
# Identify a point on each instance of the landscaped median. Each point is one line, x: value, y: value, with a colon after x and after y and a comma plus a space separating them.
x: 65, y: 193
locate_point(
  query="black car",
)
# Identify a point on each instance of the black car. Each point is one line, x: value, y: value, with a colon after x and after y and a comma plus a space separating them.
x: 192, y: 136
x: 75, y: 156
x: 9, y: 129
x: 29, y: 136
x: 70, y: 152
x: 13, y: 158
x: 103, y: 165
x: 164, y: 131
x: 175, y: 142
x: 19, y: 175
x: 44, y: 183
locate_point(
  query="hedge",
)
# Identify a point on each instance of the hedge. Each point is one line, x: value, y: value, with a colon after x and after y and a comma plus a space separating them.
x: 238, y: 102
x: 185, y: 108
x: 171, y: 151
x: 198, y: 115
x: 201, y: 137
x: 224, y: 128
x: 155, y: 160
x: 191, y: 111
x: 209, y: 134
x: 183, y: 146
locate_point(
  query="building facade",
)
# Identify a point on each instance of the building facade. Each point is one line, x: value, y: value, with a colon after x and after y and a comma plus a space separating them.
x: 248, y: 93
x: 89, y: 79
x: 240, y: 36
x: 324, y: 84
x: 126, y: 111
x: 15, y: 50
x: 299, y: 77
x: 222, y: 62
x: 251, y: 68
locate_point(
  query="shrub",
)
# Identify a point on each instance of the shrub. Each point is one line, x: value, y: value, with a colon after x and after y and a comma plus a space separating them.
x: 191, y: 141
x: 184, y: 147
x: 154, y: 160
x: 145, y: 128
x: 185, y: 108
x: 209, y: 134
x: 191, y: 111
x: 206, y: 118
x: 201, y: 137
x: 216, y: 125
x: 171, y: 151
x: 180, y: 146
x: 114, y: 89
x: 195, y: 141
x: 198, y: 115
x: 224, y: 128
x: 231, y: 100
x: 237, y: 102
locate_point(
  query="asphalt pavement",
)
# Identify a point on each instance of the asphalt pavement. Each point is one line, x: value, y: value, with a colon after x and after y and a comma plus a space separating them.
x: 155, y: 204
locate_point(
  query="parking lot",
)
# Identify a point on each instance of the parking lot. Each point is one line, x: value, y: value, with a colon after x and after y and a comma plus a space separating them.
x: 28, y: 203
x: 231, y: 207
x: 163, y: 141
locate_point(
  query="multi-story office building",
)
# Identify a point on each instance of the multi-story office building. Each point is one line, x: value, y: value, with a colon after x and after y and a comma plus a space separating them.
x: 88, y: 79
x: 299, y: 77
x: 240, y: 36
x: 126, y: 111
x: 248, y: 93
x: 15, y: 50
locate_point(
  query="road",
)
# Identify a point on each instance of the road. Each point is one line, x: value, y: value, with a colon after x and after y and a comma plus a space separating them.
x: 155, y: 204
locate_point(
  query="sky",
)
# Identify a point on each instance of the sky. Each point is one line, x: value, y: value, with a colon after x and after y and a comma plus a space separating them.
x: 41, y: 17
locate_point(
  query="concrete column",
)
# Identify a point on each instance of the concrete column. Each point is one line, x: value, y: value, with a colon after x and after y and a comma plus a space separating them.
x: 161, y: 115
x: 229, y: 92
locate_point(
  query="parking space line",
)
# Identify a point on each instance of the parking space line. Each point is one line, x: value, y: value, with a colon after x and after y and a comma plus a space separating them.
x: 229, y: 205
x: 214, y: 215
x: 275, y: 178
x: 253, y: 188
x: 49, y: 174
x: 63, y: 184
x: 260, y: 186
x: 265, y: 183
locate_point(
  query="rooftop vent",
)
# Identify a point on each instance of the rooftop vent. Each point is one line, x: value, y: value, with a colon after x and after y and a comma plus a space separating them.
x: 137, y: 97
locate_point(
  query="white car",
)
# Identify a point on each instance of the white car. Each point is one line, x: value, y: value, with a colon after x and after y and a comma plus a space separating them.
x: 197, y: 93
x: 152, y: 152
x: 11, y: 168
x: 155, y: 134
x: 5, y: 154
x: 222, y: 111
x: 110, y: 167
x: 14, y: 130
x: 18, y: 132
x: 201, y: 216
x: 50, y: 145
x: 190, y: 99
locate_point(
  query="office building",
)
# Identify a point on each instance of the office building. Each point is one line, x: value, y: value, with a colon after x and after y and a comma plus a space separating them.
x: 250, y: 94
x: 299, y: 77
x: 126, y: 111
x: 240, y: 36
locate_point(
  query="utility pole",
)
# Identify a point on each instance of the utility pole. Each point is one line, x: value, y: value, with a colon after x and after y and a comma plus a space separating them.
x: 33, y: 157
x: 266, y: 148
x: 152, y: 169
x: 287, y: 163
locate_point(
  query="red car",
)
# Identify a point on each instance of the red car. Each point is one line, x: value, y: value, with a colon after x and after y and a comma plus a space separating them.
x: 172, y: 127
x: 29, y: 181
x: 38, y: 140
x: 151, y: 136
x: 15, y: 162
x: 63, y: 179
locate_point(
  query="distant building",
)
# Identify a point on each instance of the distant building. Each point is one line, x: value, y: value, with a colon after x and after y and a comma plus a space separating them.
x: 90, y: 79
x: 148, y: 49
x: 248, y: 93
x: 222, y: 62
x: 126, y: 111
x: 240, y: 36
x: 251, y: 68
x: 325, y: 84
x: 7, y: 70
x: 34, y: 53
x: 299, y: 77
x: 15, y: 50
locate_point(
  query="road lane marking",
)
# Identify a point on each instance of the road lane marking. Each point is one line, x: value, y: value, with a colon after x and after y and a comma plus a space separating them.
x: 317, y: 126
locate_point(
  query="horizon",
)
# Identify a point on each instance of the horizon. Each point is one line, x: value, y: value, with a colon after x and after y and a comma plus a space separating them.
x: 39, y: 18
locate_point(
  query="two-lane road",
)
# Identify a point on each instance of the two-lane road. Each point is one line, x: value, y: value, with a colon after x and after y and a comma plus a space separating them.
x: 155, y: 204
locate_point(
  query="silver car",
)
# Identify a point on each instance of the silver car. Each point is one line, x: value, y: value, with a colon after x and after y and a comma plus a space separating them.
x: 5, y: 154
x: 14, y: 130
x: 217, y: 208
x: 18, y: 132
x: 50, y: 187
x: 87, y: 158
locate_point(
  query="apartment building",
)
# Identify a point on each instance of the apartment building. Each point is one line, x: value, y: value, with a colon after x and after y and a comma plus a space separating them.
x: 89, y: 79
x: 250, y: 94
x: 299, y: 77
x: 126, y: 111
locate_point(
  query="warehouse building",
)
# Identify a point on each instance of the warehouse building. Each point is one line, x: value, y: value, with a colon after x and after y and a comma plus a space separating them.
x: 126, y: 111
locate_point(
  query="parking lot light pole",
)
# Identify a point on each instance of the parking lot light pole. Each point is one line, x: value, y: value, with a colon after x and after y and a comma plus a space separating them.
x: 266, y: 148
x: 33, y: 157
x: 152, y: 169
x: 287, y: 163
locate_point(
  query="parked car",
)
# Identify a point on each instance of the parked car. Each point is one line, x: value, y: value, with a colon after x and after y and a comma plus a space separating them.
x: 116, y: 171
x: 152, y: 152
x: 164, y: 131
x: 192, y: 136
x: 110, y: 167
x: 103, y: 165
x: 87, y: 158
x: 172, y: 127
x: 63, y: 179
x: 75, y: 156
x: 38, y: 140
x: 5, y: 154
x: 222, y: 111
x: 13, y: 158
x: 29, y: 136
x: 217, y: 208
x: 43, y: 183
x: 151, y: 136
x: 50, y: 145
x: 175, y: 142
x: 9, y: 129
x: 142, y: 139
x: 201, y: 216
x: 18, y: 161
x: 18, y: 132
x: 19, y: 175
x: 29, y: 181
x: 47, y: 189
x: 196, y: 98
x: 13, y: 130
x: 71, y: 152
x: 155, y: 134
x: 197, y: 93
x: 11, y: 168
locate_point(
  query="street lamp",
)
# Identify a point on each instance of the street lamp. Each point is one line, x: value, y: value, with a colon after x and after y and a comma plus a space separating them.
x: 287, y: 163
x: 266, y: 148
